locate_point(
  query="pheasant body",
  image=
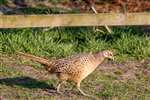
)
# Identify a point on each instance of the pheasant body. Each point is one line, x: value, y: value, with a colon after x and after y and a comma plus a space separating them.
x: 76, y: 67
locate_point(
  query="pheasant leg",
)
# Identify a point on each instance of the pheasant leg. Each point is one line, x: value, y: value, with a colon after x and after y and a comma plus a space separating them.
x: 78, y: 87
x: 59, y: 85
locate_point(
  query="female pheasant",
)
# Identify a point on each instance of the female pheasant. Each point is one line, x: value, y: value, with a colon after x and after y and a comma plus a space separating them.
x: 74, y: 68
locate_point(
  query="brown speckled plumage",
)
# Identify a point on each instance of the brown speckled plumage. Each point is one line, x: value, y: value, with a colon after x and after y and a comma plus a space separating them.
x: 74, y: 68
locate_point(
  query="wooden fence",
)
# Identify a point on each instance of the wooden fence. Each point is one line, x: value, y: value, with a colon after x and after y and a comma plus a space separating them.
x: 110, y: 19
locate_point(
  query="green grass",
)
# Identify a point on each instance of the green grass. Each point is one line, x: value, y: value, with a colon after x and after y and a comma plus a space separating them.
x: 127, y: 43
x: 3, y: 2
x: 60, y: 42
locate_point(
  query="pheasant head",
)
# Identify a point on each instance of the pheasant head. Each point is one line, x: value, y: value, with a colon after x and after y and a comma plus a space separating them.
x: 108, y: 54
x: 104, y: 54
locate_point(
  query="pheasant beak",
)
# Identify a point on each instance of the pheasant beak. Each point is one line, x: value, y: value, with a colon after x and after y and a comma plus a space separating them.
x: 112, y: 58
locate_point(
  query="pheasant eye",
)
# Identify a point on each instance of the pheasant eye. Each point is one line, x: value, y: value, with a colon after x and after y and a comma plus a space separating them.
x: 111, y: 54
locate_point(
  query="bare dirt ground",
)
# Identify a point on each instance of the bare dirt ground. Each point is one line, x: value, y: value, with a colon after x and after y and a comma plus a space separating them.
x: 26, y: 81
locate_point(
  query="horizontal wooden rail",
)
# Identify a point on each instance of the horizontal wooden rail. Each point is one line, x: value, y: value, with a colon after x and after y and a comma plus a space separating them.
x: 110, y: 19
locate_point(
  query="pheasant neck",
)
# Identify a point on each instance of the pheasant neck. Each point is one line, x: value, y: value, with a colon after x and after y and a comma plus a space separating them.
x: 99, y: 57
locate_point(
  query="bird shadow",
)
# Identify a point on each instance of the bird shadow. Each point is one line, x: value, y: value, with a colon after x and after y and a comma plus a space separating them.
x: 26, y: 82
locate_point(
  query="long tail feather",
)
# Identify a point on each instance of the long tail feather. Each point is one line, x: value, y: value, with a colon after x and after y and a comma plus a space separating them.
x: 40, y: 60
